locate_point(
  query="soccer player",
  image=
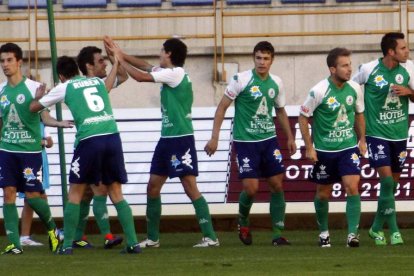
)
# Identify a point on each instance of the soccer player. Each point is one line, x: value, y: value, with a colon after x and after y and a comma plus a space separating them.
x: 387, y: 82
x: 20, y: 149
x: 92, y: 64
x: 98, y: 155
x: 336, y: 105
x: 175, y: 154
x: 256, y: 93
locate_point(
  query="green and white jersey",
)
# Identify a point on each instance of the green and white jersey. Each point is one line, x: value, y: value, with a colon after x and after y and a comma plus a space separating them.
x: 176, y: 101
x: 88, y: 101
x: 386, y: 114
x: 20, y: 131
x: 333, y: 110
x: 254, y: 102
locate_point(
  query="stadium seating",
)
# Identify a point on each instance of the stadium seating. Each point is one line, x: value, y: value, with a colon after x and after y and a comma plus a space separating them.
x: 138, y: 3
x: 191, y: 2
x: 248, y: 2
x: 22, y: 4
x: 84, y: 3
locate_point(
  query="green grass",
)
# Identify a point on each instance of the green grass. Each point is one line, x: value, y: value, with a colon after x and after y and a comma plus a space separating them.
x: 177, y: 257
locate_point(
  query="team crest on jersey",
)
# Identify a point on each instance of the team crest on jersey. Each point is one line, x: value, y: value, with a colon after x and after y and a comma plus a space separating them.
x: 174, y: 161
x: 4, y: 101
x: 399, y: 79
x: 255, y: 91
x: 271, y: 92
x: 349, y: 100
x: 28, y: 174
x: 402, y: 156
x: 380, y: 81
x: 20, y: 98
x: 332, y: 103
x: 355, y: 159
x: 277, y: 155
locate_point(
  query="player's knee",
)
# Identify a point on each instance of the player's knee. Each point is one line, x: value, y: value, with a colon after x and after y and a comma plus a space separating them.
x: 251, y: 190
x: 153, y: 191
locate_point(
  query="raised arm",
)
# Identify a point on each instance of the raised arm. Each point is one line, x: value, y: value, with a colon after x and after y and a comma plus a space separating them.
x: 121, y: 74
x: 212, y: 144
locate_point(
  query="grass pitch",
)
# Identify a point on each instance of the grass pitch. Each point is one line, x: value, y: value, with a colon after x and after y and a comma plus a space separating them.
x: 177, y: 257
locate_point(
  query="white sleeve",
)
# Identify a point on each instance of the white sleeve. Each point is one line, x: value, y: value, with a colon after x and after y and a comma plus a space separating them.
x: 361, y: 76
x: 169, y: 76
x: 410, y: 69
x: 359, y: 104
x: 280, y: 100
x: 55, y: 95
x: 234, y: 88
x: 314, y: 98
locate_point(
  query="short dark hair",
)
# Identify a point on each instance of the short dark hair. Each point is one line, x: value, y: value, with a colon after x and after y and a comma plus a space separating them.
x: 265, y: 47
x: 332, y: 58
x: 389, y: 41
x: 86, y: 55
x: 178, y: 51
x: 67, y: 67
x: 12, y: 48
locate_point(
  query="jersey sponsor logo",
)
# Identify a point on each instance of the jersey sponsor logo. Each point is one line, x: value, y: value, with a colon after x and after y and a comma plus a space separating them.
x: 277, y: 155
x: 174, y: 161
x: 186, y: 159
x: 332, y: 103
x: 342, y: 118
x: 349, y: 100
x: 255, y: 91
x: 380, y: 81
x: 4, y: 101
x: 20, y: 98
x: 399, y: 79
x: 28, y: 174
x: 271, y: 92
x: 355, y: 159
x: 229, y: 93
x: 392, y: 101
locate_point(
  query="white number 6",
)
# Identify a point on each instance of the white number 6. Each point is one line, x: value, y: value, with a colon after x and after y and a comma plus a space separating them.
x: 95, y: 102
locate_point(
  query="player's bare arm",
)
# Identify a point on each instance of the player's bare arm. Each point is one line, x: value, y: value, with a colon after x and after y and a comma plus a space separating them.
x: 52, y: 122
x: 111, y: 78
x: 304, y: 129
x: 121, y: 73
x: 284, y: 123
x: 212, y: 144
x: 360, y: 131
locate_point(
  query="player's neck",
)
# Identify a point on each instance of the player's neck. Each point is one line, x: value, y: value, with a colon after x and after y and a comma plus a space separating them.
x: 338, y: 83
x: 389, y: 62
x: 15, y: 79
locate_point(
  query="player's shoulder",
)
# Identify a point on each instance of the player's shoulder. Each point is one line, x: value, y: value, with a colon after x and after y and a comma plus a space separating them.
x: 2, y: 86
x: 321, y: 87
x: 31, y: 84
x: 369, y: 66
x: 276, y: 79
x: 354, y: 85
x: 408, y: 65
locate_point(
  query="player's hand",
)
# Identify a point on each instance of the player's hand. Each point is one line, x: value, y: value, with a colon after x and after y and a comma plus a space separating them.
x: 40, y: 91
x: 311, y: 155
x: 399, y: 90
x: 211, y: 147
x: 291, y: 145
x: 65, y: 124
x: 362, y: 148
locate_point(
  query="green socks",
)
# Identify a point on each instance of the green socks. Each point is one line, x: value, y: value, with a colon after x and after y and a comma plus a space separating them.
x: 277, y: 212
x: 153, y: 218
x: 245, y: 203
x: 127, y: 222
x: 83, y: 220
x: 386, y: 206
x: 42, y: 209
x: 204, y: 218
x: 11, y: 223
x: 353, y: 212
x: 70, y: 221
x: 100, y: 212
x: 322, y: 209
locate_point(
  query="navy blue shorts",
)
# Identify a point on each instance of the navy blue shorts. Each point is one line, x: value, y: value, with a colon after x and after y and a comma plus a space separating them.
x: 98, y: 159
x: 331, y: 166
x: 387, y: 153
x: 21, y: 170
x: 259, y: 159
x: 175, y: 157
